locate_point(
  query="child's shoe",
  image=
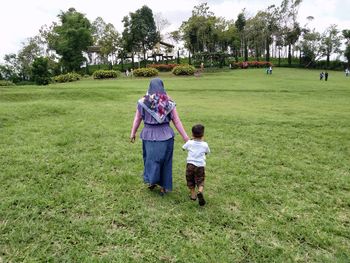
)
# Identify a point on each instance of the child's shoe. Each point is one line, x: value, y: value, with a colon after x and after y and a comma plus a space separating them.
x: 201, y: 200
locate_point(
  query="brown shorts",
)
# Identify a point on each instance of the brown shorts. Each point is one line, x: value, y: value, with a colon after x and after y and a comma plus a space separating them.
x: 194, y: 175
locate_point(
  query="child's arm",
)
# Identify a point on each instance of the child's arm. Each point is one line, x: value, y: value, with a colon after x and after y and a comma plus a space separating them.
x: 178, y: 125
x: 135, y: 125
x: 207, y: 150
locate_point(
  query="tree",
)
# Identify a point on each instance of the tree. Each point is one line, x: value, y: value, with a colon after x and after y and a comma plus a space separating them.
x: 331, y: 41
x: 311, y: 47
x: 40, y: 71
x: 140, y: 32
x: 27, y: 55
x: 71, y: 38
x: 290, y: 27
x: 346, y: 35
x: 240, y: 25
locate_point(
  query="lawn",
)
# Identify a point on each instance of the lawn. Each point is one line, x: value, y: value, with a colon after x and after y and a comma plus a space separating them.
x: 277, y: 186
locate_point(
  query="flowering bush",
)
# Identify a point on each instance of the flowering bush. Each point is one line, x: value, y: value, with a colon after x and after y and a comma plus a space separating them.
x: 145, y: 72
x: 105, y: 74
x: 251, y: 64
x: 162, y: 67
x: 184, y: 70
x: 69, y: 77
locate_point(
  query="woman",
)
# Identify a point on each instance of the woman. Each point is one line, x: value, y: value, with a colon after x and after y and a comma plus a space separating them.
x: 156, y: 109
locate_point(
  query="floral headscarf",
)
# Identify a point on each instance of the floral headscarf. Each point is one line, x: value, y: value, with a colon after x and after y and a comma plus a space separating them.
x: 156, y: 102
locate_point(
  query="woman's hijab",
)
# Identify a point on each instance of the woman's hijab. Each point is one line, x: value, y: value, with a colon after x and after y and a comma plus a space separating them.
x: 156, y: 101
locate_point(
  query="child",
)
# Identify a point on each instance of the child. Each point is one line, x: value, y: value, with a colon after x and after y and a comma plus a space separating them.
x: 195, y: 171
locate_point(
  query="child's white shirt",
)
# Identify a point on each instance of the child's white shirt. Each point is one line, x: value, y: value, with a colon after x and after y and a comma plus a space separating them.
x: 196, y: 152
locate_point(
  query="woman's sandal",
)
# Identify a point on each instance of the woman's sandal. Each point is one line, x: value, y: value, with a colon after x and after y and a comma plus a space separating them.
x: 151, y: 187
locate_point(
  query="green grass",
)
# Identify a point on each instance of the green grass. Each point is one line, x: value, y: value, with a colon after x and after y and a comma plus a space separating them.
x: 278, y: 177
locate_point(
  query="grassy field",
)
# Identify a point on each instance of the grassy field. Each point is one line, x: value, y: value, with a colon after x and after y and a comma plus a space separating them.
x: 278, y: 177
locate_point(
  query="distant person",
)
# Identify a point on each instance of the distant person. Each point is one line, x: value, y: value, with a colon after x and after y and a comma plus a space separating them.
x: 347, y: 72
x: 195, y: 168
x: 321, y: 75
x: 131, y: 72
x: 127, y: 72
x: 326, y: 76
x: 202, y: 66
x: 270, y: 69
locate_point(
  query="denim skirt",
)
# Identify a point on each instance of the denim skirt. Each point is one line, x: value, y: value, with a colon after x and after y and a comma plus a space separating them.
x: 158, y: 162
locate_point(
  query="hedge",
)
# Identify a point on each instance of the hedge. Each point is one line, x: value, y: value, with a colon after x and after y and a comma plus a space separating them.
x: 6, y: 83
x: 69, y: 77
x: 184, y: 70
x: 105, y: 74
x: 250, y: 64
x: 145, y: 72
x: 162, y: 67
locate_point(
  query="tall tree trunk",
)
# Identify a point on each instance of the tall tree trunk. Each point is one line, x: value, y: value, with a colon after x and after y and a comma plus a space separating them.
x: 279, y: 57
x: 245, y: 51
x: 328, y: 58
x: 132, y: 59
x: 267, y: 56
x: 290, y: 54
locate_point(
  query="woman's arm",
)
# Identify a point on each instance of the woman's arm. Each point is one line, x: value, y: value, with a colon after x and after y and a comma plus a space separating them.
x: 135, y: 125
x: 178, y: 125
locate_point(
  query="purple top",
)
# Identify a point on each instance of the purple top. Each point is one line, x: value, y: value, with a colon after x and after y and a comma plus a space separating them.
x: 152, y: 130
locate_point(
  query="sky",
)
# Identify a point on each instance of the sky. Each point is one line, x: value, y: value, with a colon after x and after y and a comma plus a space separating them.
x: 21, y: 19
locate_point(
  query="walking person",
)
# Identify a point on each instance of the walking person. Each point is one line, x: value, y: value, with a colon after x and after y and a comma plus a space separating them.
x: 156, y: 109
x: 326, y: 76
x: 195, y: 169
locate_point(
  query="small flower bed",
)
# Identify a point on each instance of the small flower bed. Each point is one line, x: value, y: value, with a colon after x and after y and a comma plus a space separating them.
x: 145, y: 72
x: 69, y: 77
x: 250, y: 64
x: 162, y: 67
x: 105, y: 74
x: 184, y: 70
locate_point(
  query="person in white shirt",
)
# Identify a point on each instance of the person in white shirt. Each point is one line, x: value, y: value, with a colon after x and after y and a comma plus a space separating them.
x: 195, y: 168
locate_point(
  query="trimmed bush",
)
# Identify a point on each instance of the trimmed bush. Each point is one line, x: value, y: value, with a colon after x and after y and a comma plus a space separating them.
x: 184, y: 70
x: 6, y: 83
x: 250, y: 64
x: 69, y: 77
x: 105, y: 74
x: 162, y: 67
x: 145, y: 72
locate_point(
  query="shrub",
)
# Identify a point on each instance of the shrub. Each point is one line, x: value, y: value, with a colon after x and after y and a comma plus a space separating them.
x: 40, y: 71
x: 184, y: 70
x: 162, y: 67
x: 145, y: 72
x: 250, y: 64
x: 6, y: 83
x: 105, y: 74
x: 69, y: 77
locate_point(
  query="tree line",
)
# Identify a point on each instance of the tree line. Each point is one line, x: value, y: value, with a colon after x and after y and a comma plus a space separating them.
x: 65, y: 46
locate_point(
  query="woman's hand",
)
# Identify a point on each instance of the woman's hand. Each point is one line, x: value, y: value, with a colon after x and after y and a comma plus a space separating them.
x: 132, y: 139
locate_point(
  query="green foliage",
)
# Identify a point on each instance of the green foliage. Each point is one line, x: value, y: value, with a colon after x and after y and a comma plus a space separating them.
x: 105, y: 74
x: 69, y: 77
x: 140, y: 32
x: 70, y: 38
x: 6, y: 83
x: 162, y: 67
x: 145, y: 72
x: 40, y: 71
x: 184, y: 70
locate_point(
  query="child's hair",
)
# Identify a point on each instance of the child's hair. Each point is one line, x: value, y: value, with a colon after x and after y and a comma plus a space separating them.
x: 198, y: 131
